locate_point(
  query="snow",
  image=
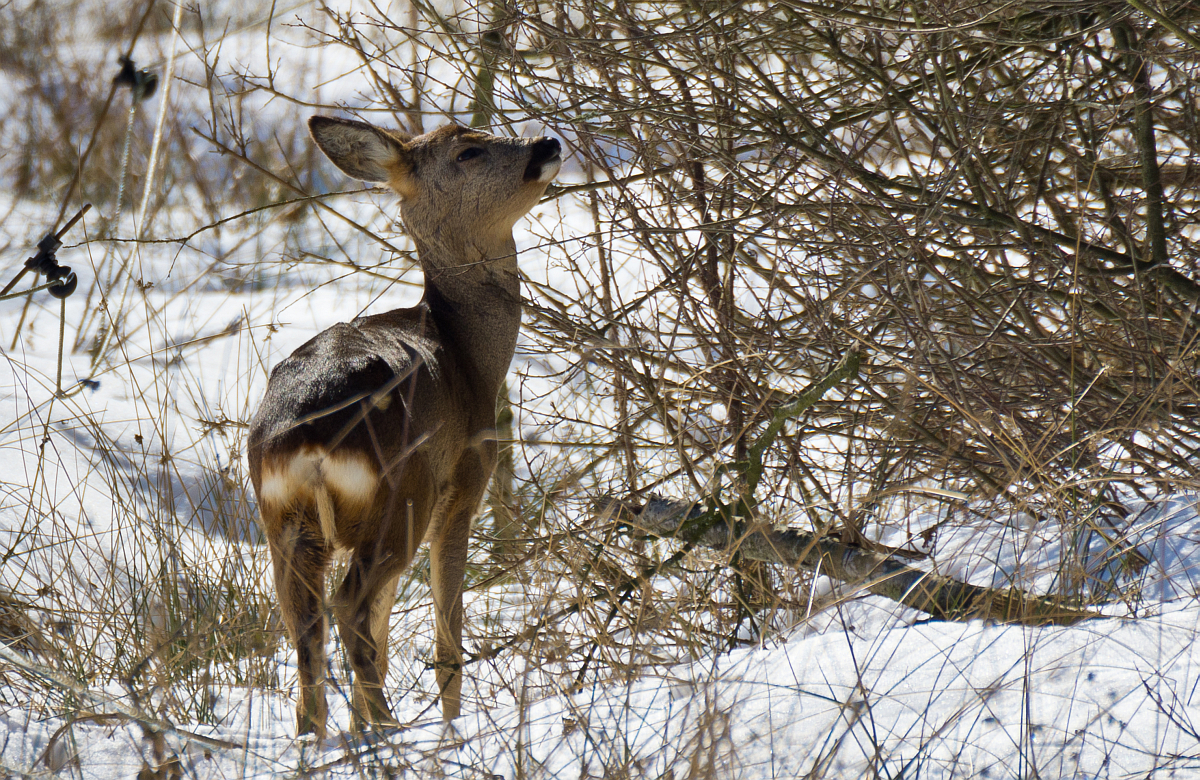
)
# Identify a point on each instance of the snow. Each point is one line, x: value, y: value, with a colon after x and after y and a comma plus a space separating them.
x: 125, y: 514
x: 861, y: 693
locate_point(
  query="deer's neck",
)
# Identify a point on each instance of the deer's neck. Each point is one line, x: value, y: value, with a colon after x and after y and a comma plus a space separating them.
x: 474, y: 297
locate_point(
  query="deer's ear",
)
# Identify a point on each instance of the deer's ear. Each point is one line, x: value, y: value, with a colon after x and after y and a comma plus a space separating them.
x: 361, y: 150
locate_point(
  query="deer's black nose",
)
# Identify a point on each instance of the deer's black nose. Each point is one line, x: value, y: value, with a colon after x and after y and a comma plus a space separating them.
x: 545, y: 150
x: 545, y: 153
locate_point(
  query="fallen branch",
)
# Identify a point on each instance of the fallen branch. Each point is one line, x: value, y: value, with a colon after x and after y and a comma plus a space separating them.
x: 942, y: 597
x: 723, y: 527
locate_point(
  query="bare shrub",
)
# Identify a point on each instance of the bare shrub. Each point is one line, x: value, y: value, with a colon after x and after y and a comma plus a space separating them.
x: 994, y: 203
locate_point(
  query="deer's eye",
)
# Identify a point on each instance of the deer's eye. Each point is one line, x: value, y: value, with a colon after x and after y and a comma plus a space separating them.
x: 469, y: 154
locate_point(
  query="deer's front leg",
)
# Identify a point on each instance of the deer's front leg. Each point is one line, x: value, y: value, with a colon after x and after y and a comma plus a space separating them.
x: 448, y: 563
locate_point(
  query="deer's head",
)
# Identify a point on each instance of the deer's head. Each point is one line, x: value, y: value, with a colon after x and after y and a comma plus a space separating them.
x: 460, y: 189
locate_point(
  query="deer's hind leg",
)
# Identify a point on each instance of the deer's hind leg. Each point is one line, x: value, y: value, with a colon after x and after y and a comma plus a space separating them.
x: 363, y: 607
x: 299, y: 556
x: 363, y: 613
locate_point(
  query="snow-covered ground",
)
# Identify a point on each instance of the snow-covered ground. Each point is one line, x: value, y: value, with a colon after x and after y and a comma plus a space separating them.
x: 126, y: 534
x: 861, y: 689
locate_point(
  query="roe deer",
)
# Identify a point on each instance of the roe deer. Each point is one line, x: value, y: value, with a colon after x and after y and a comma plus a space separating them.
x: 379, y: 432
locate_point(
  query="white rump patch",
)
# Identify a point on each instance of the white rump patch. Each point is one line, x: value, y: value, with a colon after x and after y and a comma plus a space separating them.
x: 313, y: 475
x: 351, y: 476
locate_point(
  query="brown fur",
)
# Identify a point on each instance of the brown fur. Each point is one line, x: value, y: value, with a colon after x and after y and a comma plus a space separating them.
x: 379, y: 433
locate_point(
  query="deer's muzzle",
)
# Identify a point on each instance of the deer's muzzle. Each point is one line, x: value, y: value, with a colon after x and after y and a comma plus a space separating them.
x: 545, y: 161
